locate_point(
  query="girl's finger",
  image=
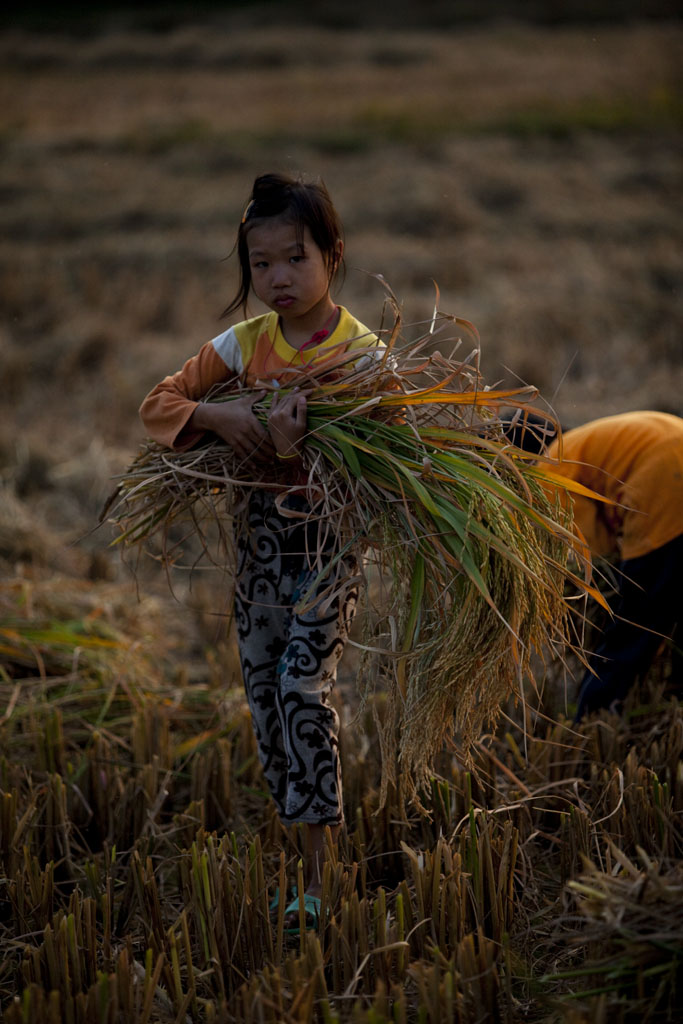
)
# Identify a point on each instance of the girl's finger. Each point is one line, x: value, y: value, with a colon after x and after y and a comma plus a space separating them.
x: 301, y: 411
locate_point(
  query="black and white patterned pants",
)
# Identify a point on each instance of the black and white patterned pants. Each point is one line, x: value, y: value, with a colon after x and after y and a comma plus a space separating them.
x: 289, y: 660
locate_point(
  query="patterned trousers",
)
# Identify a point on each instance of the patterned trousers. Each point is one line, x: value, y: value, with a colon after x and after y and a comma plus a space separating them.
x: 289, y: 660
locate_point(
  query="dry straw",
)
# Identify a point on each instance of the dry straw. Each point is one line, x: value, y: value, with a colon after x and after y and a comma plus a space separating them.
x: 408, y: 471
x: 543, y: 888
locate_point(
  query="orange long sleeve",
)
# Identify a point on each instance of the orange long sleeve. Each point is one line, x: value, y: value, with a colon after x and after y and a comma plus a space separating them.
x: 167, y: 408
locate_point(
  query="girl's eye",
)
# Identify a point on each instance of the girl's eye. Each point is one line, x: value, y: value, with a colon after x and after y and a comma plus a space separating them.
x: 295, y: 259
x: 259, y: 265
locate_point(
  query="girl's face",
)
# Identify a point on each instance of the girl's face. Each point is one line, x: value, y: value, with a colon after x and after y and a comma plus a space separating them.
x: 290, y: 276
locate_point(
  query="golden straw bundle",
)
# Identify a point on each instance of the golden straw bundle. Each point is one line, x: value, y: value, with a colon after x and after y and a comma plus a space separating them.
x: 408, y: 467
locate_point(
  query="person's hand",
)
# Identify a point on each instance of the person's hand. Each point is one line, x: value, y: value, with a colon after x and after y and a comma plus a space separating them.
x: 287, y: 422
x: 236, y: 423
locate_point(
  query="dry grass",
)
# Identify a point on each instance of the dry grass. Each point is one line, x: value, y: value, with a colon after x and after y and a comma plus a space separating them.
x: 140, y: 853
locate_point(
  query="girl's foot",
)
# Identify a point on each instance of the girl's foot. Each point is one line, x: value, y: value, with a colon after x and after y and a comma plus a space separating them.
x: 311, y: 905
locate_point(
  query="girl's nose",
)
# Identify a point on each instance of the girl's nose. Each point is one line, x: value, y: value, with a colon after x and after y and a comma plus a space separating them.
x: 281, y: 274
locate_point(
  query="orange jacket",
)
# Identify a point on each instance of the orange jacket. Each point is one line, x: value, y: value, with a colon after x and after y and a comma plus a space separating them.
x: 636, y: 460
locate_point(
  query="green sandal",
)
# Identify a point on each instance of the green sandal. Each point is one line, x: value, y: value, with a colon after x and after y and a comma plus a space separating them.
x: 311, y: 910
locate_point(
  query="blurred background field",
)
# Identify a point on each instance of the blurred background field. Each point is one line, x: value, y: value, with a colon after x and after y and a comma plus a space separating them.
x: 526, y: 159
x: 531, y: 171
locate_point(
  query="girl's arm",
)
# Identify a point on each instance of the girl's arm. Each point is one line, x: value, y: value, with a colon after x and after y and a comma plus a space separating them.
x: 175, y: 415
x: 168, y: 408
x: 234, y: 421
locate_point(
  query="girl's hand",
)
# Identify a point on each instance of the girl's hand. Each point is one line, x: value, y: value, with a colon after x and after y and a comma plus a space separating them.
x: 236, y: 423
x: 287, y: 422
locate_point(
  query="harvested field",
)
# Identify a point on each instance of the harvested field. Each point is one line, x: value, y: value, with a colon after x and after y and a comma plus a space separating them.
x: 534, y: 174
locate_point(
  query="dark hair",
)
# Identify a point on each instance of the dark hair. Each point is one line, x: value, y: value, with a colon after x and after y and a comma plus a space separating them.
x: 306, y: 204
x: 528, y: 431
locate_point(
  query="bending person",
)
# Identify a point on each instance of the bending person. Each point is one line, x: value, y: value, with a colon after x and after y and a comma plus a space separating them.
x: 636, y: 460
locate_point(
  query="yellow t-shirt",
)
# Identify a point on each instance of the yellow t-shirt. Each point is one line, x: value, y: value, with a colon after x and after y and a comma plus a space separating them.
x: 249, y: 352
x: 636, y: 460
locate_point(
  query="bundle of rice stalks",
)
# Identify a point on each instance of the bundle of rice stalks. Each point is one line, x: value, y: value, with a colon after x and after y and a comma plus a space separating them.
x: 408, y: 470
x: 630, y: 928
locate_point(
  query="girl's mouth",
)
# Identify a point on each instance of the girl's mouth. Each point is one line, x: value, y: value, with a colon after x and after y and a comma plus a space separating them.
x: 284, y: 301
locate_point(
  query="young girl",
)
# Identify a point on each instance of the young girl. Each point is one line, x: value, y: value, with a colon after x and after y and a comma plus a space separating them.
x: 290, y: 248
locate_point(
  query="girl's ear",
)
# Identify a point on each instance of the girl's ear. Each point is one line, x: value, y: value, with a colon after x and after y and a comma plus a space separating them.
x: 337, y: 258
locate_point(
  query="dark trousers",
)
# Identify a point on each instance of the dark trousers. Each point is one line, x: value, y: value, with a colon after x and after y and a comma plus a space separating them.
x: 650, y: 597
